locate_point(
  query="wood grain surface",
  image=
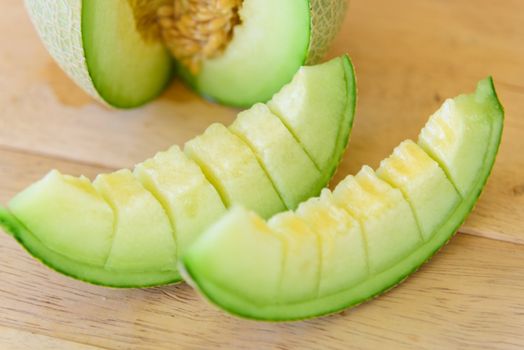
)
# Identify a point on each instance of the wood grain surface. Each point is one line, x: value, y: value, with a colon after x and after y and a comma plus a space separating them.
x: 409, y: 57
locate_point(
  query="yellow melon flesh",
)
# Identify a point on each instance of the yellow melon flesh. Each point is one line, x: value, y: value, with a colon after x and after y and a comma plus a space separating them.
x: 143, y: 239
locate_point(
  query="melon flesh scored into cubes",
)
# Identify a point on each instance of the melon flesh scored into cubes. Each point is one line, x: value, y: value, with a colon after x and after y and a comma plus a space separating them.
x: 132, y: 235
x: 405, y: 212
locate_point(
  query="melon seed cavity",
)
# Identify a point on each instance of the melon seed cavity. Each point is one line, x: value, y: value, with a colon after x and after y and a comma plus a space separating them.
x: 196, y: 30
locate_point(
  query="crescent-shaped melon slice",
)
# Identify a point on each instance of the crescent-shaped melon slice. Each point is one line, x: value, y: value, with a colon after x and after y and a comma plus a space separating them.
x: 128, y: 228
x: 363, y: 238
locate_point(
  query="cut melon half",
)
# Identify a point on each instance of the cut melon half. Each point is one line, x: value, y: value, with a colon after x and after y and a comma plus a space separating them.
x: 365, y: 237
x: 128, y: 229
x: 121, y: 52
x: 96, y: 42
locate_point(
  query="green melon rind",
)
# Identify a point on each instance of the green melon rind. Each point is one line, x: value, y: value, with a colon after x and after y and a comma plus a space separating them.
x: 80, y: 271
x: 326, y: 19
x: 134, y: 78
x: 347, y: 121
x: 379, y: 283
x: 58, y: 24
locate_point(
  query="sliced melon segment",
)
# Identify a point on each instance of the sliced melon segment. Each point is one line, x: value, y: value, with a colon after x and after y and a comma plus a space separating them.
x: 388, y: 224
x: 71, y: 218
x: 394, y: 246
x: 233, y: 175
x: 423, y: 183
x: 73, y: 231
x: 443, y: 136
x: 301, y: 267
x: 300, y: 103
x: 190, y: 200
x: 344, y: 260
x: 143, y: 239
x: 274, y: 146
x: 71, y: 267
x: 227, y: 245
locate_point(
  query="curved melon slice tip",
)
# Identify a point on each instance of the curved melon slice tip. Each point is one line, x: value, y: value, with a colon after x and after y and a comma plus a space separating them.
x: 85, y: 230
x: 371, y: 197
x: 71, y: 267
x: 300, y: 103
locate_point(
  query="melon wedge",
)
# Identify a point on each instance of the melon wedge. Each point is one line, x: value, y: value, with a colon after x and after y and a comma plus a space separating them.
x: 114, y: 49
x: 372, y: 231
x: 128, y: 229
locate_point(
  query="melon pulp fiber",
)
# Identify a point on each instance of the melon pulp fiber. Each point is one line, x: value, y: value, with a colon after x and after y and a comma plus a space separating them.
x: 364, y: 237
x: 98, y: 44
x: 128, y: 228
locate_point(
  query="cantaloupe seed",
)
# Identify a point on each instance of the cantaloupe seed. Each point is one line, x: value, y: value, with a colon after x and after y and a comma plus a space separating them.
x: 192, y: 30
x: 196, y: 30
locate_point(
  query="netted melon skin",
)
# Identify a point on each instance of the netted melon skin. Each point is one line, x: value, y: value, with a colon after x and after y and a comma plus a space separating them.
x: 59, y: 25
x: 326, y: 19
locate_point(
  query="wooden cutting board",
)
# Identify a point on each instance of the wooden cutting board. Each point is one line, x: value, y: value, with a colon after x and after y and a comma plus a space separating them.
x: 409, y: 56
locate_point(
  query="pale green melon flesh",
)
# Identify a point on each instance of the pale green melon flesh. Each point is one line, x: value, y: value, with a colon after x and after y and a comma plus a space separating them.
x: 386, y: 268
x: 143, y: 239
x: 444, y: 136
x: 239, y: 179
x: 301, y: 267
x: 301, y: 103
x: 126, y: 69
x: 274, y: 146
x: 341, y: 241
x: 389, y: 228
x: 266, y: 51
x: 191, y: 202
x: 409, y: 169
x: 262, y: 251
x: 180, y: 195
x: 257, y: 63
x: 70, y: 216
